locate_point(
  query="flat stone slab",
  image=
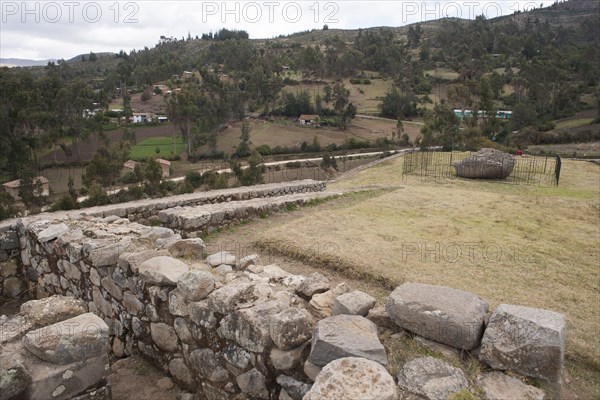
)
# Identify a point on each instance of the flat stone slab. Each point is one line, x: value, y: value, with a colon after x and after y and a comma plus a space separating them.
x: 530, y: 341
x: 222, y: 257
x: 71, y: 340
x: 52, y: 309
x: 439, y: 313
x: 499, y: 386
x: 353, y: 378
x: 52, y: 232
x: 431, y: 378
x: 346, y: 336
x: 163, y: 270
x: 353, y: 303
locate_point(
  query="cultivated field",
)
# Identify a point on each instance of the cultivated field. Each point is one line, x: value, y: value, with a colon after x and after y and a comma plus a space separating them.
x: 531, y: 246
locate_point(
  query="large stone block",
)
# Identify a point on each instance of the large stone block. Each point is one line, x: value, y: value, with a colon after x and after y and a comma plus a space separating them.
x: 353, y: 378
x: 439, y: 313
x: 291, y: 328
x: 353, y: 303
x: 163, y: 270
x: 71, y: 340
x: 222, y: 257
x: 52, y: 309
x: 250, y: 327
x: 196, y: 285
x: 346, y: 336
x: 164, y: 336
x: 527, y: 340
x: 498, y: 386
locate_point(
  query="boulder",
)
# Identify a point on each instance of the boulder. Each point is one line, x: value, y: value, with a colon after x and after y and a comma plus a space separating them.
x: 71, y: 340
x: 162, y: 270
x: 498, y: 386
x: 431, y: 378
x: 379, y: 316
x: 187, y: 248
x: 225, y: 299
x: 292, y: 387
x: 52, y: 309
x: 196, y: 285
x: 52, y: 232
x: 291, y: 328
x: 208, y: 366
x: 252, y: 384
x: 284, y: 360
x: 13, y: 382
x: 353, y: 378
x: 439, y: 313
x: 245, y: 262
x: 530, y: 341
x: 222, y: 257
x: 181, y: 372
x: 346, y: 336
x: 164, y: 336
x: 250, y: 327
x: 313, y: 284
x: 353, y: 303
x: 486, y: 164
x: 322, y: 303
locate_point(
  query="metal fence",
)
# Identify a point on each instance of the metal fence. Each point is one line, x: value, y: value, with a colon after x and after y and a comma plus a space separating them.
x: 528, y: 170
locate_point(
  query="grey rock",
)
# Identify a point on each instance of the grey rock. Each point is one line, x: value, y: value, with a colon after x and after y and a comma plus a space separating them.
x: 222, y: 257
x: 178, y: 306
x: 52, y: 309
x: 8, y: 268
x: 9, y: 240
x: 293, y: 388
x: 162, y: 270
x: 132, y: 303
x: 187, y: 248
x: 249, y: 327
x: 196, y: 285
x: 214, y: 393
x: 52, y: 232
x: 291, y: 328
x: 164, y: 336
x: 353, y: 378
x: 223, y: 270
x: 439, y: 313
x: 311, y: 370
x: 13, y: 287
x: 183, y: 331
x: 181, y: 372
x: 101, y: 303
x: 202, y: 315
x: 353, y: 303
x: 13, y: 328
x: 208, y: 365
x: 225, y: 299
x: 94, y: 277
x: 118, y: 347
x: 252, y: 383
x: 134, y: 260
x: 13, y: 382
x: 346, y: 336
x: 236, y: 356
x: 431, y: 378
x: 284, y: 360
x: 379, y: 316
x: 486, y: 164
x: 498, y: 386
x: 322, y: 303
x: 109, y: 285
x: 530, y: 341
x: 72, y: 271
x: 313, y: 284
x: 71, y: 340
x: 105, y: 252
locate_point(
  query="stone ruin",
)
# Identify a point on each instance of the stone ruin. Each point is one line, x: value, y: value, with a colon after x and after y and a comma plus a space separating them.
x: 486, y: 164
x: 226, y: 326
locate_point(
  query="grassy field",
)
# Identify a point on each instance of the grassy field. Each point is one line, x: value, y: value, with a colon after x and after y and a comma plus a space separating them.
x: 147, y: 148
x: 568, y: 150
x: 532, y: 246
x: 573, y: 123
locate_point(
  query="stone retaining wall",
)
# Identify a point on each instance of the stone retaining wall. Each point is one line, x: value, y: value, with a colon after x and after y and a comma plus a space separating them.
x: 227, y: 327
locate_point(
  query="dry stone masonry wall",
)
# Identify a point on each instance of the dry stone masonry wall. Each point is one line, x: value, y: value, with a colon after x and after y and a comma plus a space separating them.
x: 225, y: 326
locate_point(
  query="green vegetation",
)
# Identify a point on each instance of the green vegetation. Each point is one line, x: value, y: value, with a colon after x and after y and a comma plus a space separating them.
x: 574, y: 123
x: 147, y: 148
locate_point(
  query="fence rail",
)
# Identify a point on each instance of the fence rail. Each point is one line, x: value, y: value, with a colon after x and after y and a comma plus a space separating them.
x: 528, y: 170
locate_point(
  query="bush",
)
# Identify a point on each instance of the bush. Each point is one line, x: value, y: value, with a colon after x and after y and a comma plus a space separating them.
x: 130, y: 177
x: 185, y: 187
x: 194, y: 179
x: 65, y: 203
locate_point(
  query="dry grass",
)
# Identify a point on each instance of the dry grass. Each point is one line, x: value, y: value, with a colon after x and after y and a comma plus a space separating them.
x: 531, y: 246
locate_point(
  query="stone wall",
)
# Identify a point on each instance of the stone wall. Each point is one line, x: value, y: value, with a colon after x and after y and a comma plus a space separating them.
x: 227, y: 327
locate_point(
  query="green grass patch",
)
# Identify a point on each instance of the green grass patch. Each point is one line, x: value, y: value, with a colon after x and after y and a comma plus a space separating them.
x: 574, y: 123
x: 147, y: 148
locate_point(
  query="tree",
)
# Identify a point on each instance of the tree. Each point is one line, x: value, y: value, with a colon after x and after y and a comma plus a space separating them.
x: 145, y: 96
x: 398, y: 105
x: 152, y: 172
x: 243, y: 149
x: 251, y: 175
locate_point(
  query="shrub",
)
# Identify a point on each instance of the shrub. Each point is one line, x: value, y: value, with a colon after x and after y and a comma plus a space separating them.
x: 194, y: 179
x: 65, y: 203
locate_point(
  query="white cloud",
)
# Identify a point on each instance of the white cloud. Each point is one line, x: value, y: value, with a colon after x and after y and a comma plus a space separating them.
x: 63, y: 29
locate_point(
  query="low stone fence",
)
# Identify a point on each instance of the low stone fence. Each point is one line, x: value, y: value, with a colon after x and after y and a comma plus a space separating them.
x: 227, y: 327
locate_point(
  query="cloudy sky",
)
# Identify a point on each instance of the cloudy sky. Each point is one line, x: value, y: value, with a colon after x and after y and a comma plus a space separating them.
x: 63, y: 29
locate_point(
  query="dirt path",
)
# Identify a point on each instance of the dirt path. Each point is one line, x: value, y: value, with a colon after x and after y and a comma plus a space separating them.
x: 135, y: 378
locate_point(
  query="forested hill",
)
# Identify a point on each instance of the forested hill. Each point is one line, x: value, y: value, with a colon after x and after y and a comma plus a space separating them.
x: 549, y: 57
